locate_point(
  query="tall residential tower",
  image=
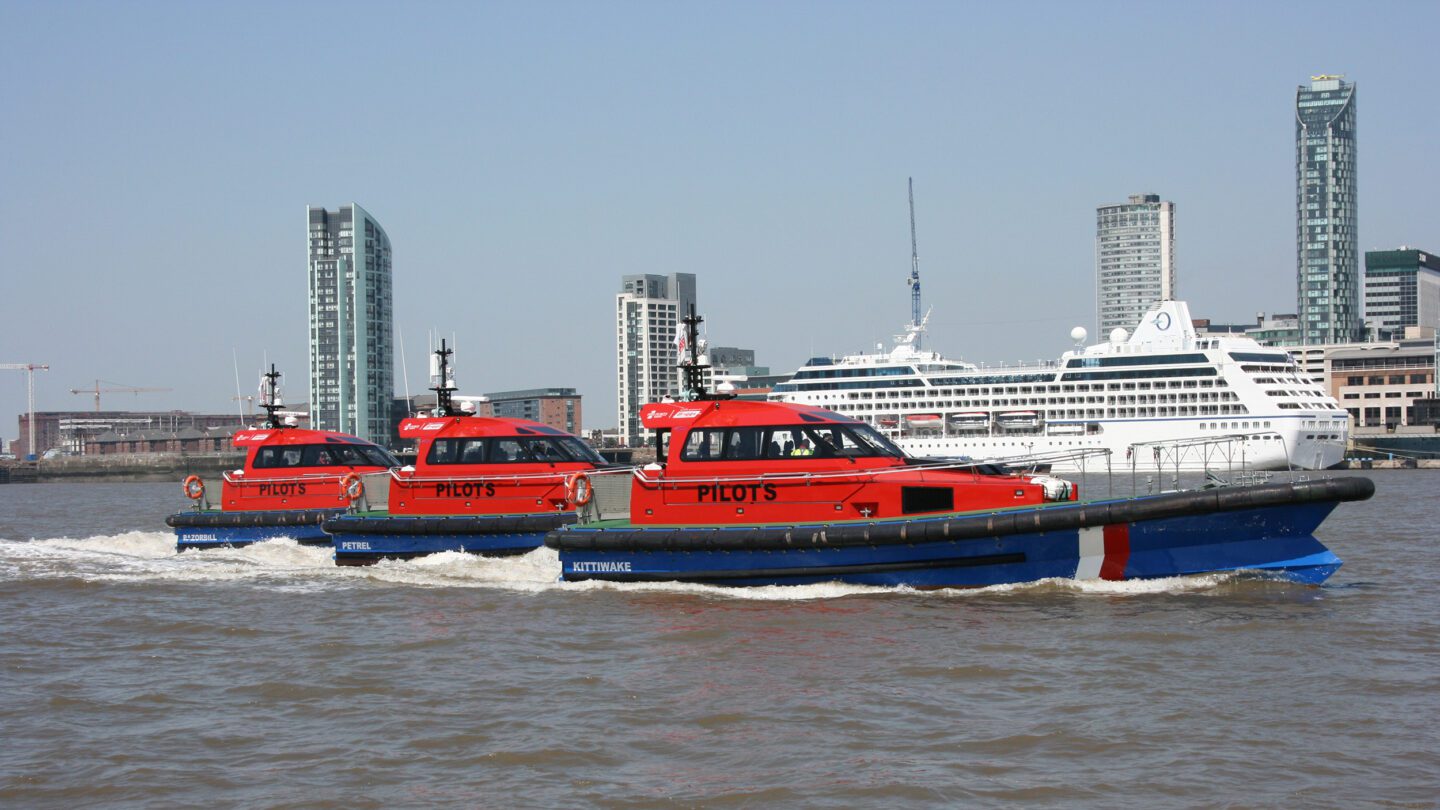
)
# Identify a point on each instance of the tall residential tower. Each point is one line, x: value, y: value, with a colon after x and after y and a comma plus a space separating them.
x: 647, y: 313
x: 1134, y: 260
x: 352, y: 378
x: 1326, y: 245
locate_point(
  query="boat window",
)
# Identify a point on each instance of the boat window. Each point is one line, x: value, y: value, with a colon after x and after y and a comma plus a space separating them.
x: 478, y: 450
x: 322, y: 455
x: 456, y: 451
x: 873, y: 438
x: 507, y: 450
x: 380, y: 457
x: 545, y: 450
x: 273, y: 457
x: 703, y: 445
x: 580, y: 451
x: 788, y: 441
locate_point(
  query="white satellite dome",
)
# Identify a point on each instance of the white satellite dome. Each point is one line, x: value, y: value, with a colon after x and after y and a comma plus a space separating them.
x: 1118, y: 334
x: 1078, y: 334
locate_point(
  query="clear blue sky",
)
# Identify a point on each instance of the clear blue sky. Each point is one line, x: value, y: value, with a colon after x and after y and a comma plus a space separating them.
x: 158, y: 158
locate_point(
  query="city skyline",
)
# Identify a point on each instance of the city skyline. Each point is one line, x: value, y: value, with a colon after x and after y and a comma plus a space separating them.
x: 763, y: 149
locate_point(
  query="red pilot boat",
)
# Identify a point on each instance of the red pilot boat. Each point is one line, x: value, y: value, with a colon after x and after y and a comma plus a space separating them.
x: 483, y: 485
x: 292, y: 481
x: 769, y: 493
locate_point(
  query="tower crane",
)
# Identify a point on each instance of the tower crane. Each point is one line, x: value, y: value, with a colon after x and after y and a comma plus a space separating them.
x: 120, y: 388
x: 29, y: 369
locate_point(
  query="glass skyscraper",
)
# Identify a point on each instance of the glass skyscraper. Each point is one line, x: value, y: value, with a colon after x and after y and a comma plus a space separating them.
x: 352, y: 377
x: 1327, y: 245
x: 1134, y: 260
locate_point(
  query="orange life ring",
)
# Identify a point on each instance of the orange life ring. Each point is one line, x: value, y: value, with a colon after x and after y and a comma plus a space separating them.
x: 194, y: 488
x: 351, y: 487
x: 578, y: 489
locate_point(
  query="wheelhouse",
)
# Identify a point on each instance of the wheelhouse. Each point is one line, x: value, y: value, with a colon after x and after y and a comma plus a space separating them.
x: 294, y: 468
x: 731, y: 461
x: 487, y: 465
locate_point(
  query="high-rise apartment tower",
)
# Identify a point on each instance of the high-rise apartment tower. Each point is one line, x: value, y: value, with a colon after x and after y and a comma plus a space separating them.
x: 648, y: 310
x: 352, y: 376
x: 1326, y: 242
x: 1134, y: 260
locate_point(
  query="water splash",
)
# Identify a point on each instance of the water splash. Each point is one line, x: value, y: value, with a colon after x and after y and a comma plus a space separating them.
x: 285, y: 564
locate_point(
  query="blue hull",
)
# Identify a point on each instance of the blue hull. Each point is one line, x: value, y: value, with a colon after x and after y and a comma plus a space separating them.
x: 238, y: 536
x: 365, y: 540
x: 1277, y: 540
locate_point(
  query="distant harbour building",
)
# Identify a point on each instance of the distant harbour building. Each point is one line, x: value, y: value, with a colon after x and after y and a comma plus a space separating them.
x: 1268, y: 330
x: 736, y: 368
x: 1276, y: 330
x: 1383, y: 384
x: 1327, y: 252
x: 1134, y: 260
x: 352, y: 378
x: 86, y: 433
x: 1402, y: 288
x: 647, y: 314
x: 557, y: 407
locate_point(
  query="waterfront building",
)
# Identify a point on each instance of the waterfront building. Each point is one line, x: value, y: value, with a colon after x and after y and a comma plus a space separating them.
x: 351, y: 334
x: 1276, y: 330
x: 1204, y: 327
x: 1327, y: 253
x: 1402, y: 288
x: 1380, y: 384
x: 557, y: 407
x: 647, y: 313
x: 105, y: 432
x: 1134, y: 260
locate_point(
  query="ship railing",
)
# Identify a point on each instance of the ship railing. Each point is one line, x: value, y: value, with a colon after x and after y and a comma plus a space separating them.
x: 649, y: 476
x: 1089, y: 463
x: 402, y: 475
x: 1229, y: 453
x: 375, y: 494
x: 237, y: 477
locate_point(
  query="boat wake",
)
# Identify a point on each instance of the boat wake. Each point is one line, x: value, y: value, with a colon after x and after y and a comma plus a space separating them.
x: 286, y: 565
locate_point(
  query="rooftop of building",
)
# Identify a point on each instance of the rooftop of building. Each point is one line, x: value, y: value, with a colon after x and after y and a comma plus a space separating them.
x: 1401, y: 259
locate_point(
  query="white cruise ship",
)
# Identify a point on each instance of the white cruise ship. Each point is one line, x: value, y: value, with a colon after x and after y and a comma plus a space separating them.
x: 1162, y: 397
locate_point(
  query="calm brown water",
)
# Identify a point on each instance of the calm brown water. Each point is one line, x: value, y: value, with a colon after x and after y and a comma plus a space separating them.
x: 267, y: 677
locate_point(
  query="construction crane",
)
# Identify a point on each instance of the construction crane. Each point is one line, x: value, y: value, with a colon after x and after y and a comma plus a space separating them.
x: 120, y: 388
x: 29, y: 369
x: 914, y: 270
x: 245, y: 402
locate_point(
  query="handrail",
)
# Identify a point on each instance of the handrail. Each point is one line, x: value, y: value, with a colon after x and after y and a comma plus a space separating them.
x: 641, y: 474
x: 560, y: 474
x: 300, y: 478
